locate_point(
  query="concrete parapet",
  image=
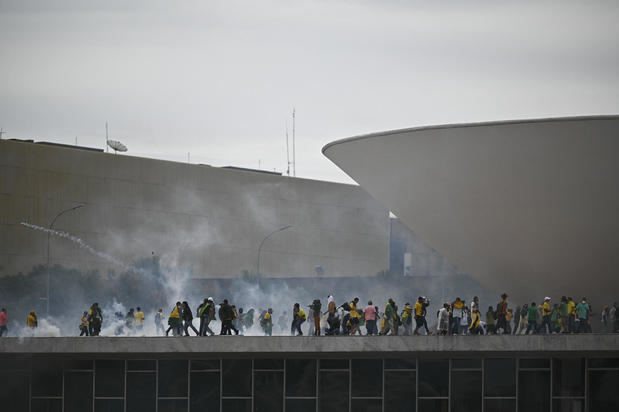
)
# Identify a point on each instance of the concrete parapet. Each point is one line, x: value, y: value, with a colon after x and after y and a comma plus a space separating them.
x: 252, y: 346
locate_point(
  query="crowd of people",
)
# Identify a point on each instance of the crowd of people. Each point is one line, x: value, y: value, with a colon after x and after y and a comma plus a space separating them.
x: 351, y: 318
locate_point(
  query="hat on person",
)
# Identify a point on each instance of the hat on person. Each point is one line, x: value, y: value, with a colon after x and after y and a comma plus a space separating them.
x: 547, y: 298
x: 210, y: 299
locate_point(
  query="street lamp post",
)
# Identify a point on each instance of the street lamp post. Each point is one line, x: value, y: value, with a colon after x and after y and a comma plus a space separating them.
x: 51, y: 226
x: 262, y: 243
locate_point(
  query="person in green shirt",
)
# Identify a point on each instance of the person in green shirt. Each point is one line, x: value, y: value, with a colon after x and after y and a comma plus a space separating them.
x: 389, y: 319
x: 554, y: 319
x: 532, y: 318
x: 582, y: 309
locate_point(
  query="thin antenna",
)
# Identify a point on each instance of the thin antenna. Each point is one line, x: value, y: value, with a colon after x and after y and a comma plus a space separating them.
x: 287, y: 151
x: 294, y: 152
x: 258, y: 164
x: 2, y: 131
x: 188, y: 161
x: 76, y: 140
x: 107, y: 149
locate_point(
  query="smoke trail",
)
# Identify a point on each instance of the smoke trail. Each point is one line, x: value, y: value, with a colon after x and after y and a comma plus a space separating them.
x: 82, y: 245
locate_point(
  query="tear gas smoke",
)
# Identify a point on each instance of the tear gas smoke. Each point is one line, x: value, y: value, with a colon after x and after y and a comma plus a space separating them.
x: 80, y: 243
x: 48, y: 328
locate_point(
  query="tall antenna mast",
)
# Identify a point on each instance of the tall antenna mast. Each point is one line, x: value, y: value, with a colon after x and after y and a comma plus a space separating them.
x: 107, y: 148
x: 287, y: 151
x: 294, y: 152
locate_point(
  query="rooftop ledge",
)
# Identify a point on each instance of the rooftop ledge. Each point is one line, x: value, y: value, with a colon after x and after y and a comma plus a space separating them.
x: 309, y: 346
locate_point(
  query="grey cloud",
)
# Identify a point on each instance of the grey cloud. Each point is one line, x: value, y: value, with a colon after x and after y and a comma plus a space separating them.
x: 219, y: 79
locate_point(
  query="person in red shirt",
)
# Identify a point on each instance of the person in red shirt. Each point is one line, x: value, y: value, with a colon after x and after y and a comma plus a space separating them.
x: 4, y: 323
x: 369, y: 314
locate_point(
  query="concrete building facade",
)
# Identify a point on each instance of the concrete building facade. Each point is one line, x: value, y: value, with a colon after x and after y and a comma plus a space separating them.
x: 204, y: 220
x: 520, y: 205
x: 551, y: 373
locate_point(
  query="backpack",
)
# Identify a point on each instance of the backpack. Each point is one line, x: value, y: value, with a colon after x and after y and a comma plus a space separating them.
x: 346, y: 306
x: 202, y: 309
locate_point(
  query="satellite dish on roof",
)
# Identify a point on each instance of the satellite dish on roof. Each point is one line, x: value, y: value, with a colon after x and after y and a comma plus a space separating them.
x: 117, y: 146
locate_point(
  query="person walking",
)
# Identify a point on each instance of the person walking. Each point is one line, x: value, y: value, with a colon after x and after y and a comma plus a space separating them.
x: 546, y: 327
x: 298, y: 317
x: 475, y: 326
x: 604, y: 318
x: 501, y: 313
x: 369, y: 313
x: 582, y: 309
x: 202, y: 314
x: 571, y: 308
x: 159, y: 322
x: 443, y: 319
x: 208, y: 315
x: 139, y: 319
x: 316, y: 307
x: 532, y: 314
x: 226, y: 315
x: 84, y: 324
x: 175, y: 322
x: 465, y: 321
x: 407, y: 319
x: 267, y: 323
x: 188, y: 319
x: 419, y: 311
x: 457, y: 311
x: 490, y: 321
x: 389, y: 319
x: 95, y: 319
x: 523, y: 323
x: 508, y: 321
x: 32, y: 322
x: 354, y: 317
x: 4, y: 323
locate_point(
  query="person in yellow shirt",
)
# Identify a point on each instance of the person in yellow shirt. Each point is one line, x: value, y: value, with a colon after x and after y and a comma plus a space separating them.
x: 354, y: 317
x: 456, y: 312
x: 571, y: 310
x: 419, y: 309
x: 139, y: 319
x: 474, y: 327
x: 546, y: 312
x: 407, y: 319
x: 267, y: 322
x: 298, y: 317
x: 84, y: 324
x: 175, y: 322
x: 32, y: 320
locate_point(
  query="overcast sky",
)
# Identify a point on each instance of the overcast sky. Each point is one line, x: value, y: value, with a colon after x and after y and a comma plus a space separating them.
x: 219, y: 79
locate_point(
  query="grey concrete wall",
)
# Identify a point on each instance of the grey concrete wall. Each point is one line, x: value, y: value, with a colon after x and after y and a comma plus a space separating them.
x: 425, y: 261
x: 204, y: 220
x: 584, y: 344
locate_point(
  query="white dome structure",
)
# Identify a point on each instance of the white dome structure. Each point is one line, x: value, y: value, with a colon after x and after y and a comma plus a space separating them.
x: 530, y: 207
